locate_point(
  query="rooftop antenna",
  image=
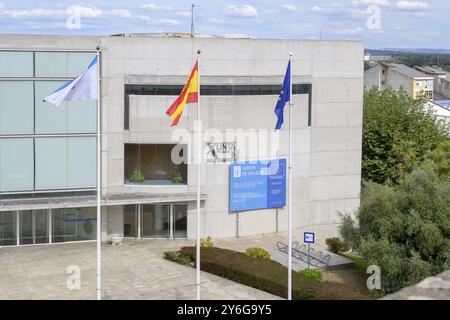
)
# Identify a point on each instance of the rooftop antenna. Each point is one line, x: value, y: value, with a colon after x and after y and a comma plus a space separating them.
x: 192, y: 20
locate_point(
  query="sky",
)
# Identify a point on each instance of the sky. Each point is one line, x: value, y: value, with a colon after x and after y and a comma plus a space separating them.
x: 379, y: 23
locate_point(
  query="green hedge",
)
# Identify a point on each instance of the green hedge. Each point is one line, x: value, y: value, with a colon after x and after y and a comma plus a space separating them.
x: 266, y: 275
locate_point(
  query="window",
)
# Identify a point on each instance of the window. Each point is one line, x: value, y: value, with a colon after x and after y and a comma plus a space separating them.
x: 154, y: 162
x: 70, y: 117
x: 63, y: 163
x: 16, y: 107
x: 16, y: 64
x: 74, y: 224
x: 16, y: 164
x: 61, y: 64
x: 213, y: 90
x: 8, y: 228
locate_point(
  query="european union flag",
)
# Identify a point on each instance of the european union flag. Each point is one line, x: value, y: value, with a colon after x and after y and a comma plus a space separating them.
x: 285, y: 96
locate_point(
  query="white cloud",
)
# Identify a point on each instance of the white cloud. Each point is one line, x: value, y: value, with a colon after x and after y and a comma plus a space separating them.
x: 241, y: 11
x: 121, y: 13
x: 412, y: 5
x: 289, y: 7
x: 339, y: 10
x: 156, y: 7
x: 372, y: 2
x: 85, y: 11
x: 31, y: 13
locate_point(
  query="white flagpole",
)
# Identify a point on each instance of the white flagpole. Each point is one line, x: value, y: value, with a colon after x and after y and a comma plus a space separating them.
x: 199, y: 158
x: 99, y: 173
x: 290, y: 184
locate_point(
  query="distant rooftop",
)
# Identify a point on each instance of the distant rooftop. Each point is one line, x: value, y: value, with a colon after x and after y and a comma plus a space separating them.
x: 179, y: 35
x: 431, y: 70
x: 401, y: 68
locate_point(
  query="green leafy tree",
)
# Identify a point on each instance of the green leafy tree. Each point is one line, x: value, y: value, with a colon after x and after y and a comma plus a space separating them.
x: 398, y: 132
x: 439, y: 160
x: 404, y: 228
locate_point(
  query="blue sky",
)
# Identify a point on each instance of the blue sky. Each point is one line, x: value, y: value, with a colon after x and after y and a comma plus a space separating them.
x: 379, y: 23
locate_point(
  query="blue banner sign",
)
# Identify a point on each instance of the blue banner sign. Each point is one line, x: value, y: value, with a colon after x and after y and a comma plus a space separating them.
x: 257, y: 185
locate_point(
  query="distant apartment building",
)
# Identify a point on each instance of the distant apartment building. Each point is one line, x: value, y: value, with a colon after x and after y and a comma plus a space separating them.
x: 441, y: 85
x: 401, y: 78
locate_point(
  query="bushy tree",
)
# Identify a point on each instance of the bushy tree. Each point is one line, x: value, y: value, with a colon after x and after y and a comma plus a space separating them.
x: 439, y: 160
x: 398, y: 132
x: 404, y: 228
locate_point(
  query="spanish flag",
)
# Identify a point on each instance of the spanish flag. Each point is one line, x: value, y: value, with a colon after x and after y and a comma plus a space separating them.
x: 188, y: 95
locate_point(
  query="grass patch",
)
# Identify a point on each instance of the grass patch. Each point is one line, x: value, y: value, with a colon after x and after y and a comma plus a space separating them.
x: 360, y: 263
x: 264, y: 274
x: 315, y: 276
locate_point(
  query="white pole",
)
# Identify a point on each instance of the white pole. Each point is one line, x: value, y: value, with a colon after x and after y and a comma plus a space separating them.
x: 99, y: 167
x: 199, y: 157
x: 290, y: 185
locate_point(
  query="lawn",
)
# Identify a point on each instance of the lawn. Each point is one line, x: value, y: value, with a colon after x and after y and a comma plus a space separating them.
x: 264, y: 274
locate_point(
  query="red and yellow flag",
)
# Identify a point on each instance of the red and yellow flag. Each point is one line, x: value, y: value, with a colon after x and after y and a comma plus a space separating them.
x: 188, y: 95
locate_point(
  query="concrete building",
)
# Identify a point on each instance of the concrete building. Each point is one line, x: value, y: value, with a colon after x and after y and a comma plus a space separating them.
x: 441, y: 85
x: 399, y: 77
x: 48, y: 155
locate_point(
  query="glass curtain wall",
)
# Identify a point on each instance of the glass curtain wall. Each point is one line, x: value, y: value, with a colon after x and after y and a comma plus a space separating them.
x: 56, y: 149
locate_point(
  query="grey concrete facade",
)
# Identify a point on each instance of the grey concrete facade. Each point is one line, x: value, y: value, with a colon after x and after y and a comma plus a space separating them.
x: 326, y: 155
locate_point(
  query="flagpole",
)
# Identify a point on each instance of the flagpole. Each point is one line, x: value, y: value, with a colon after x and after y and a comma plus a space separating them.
x: 290, y: 184
x: 199, y: 157
x: 99, y: 167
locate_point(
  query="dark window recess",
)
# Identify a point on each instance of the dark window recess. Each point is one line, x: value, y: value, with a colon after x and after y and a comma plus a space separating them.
x: 213, y: 90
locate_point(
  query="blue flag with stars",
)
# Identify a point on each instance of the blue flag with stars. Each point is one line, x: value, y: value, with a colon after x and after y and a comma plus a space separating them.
x: 285, y: 96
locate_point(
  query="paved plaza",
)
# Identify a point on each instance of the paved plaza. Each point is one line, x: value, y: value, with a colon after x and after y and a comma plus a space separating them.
x: 134, y: 270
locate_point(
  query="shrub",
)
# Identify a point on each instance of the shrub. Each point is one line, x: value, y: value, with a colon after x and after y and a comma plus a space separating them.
x: 311, y: 274
x: 137, y: 176
x: 207, y: 243
x: 336, y: 245
x: 266, y: 275
x: 404, y: 228
x: 177, y: 177
x: 258, y: 253
x: 175, y: 256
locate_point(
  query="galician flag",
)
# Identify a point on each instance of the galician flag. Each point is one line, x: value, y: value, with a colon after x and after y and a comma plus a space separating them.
x: 189, y: 94
x: 83, y: 87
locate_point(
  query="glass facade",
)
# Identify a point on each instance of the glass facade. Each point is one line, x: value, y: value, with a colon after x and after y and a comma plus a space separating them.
x: 43, y: 147
x: 8, y: 228
x: 74, y: 224
x: 156, y: 221
x: 30, y: 227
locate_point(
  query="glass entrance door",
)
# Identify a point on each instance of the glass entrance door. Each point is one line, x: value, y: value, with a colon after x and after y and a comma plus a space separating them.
x: 155, y: 221
x: 179, y: 221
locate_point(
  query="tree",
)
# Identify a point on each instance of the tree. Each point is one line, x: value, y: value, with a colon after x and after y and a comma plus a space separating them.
x: 439, y: 160
x: 398, y: 132
x: 404, y: 228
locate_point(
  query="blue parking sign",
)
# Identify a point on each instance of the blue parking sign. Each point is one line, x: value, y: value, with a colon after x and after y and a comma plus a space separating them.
x: 308, y: 237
